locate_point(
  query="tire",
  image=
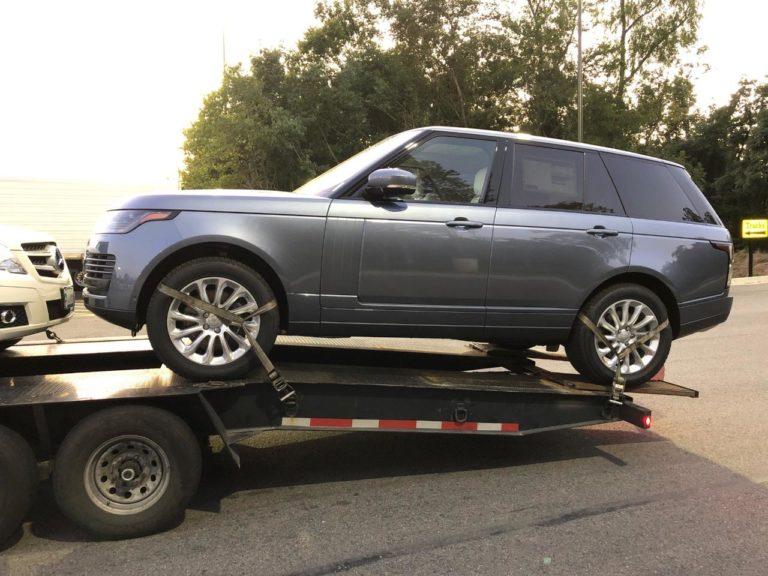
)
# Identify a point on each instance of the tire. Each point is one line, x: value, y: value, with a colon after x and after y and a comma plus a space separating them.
x: 18, y: 481
x: 206, y: 360
x: 127, y: 471
x: 637, y: 310
x: 5, y: 344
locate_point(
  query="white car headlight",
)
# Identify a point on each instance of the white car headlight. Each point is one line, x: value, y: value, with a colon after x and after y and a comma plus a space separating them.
x: 9, y: 263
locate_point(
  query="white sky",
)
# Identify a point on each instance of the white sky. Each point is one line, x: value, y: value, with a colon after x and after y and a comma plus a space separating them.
x: 101, y: 91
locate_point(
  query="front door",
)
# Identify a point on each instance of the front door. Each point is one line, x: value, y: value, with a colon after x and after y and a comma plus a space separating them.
x: 417, y: 265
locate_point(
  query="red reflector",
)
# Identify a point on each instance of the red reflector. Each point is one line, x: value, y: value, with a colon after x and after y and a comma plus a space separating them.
x: 647, y: 421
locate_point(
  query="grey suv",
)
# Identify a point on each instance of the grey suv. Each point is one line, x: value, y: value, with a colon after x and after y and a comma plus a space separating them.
x: 435, y: 232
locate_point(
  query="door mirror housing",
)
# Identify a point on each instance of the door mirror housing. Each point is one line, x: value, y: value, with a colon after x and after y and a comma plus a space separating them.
x: 389, y: 183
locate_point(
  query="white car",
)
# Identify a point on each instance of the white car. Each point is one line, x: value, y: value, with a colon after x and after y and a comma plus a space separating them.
x: 36, y: 289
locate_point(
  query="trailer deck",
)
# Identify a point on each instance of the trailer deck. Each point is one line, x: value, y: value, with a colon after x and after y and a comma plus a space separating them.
x: 47, y: 391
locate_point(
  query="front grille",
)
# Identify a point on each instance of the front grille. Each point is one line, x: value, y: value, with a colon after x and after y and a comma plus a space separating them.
x: 12, y: 316
x: 46, y: 258
x: 56, y: 309
x: 98, y: 270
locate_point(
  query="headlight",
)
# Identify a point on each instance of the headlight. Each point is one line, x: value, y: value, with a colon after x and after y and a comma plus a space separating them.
x: 123, y: 221
x: 9, y: 263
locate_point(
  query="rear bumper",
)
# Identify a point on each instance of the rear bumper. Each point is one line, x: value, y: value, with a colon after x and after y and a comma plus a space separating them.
x: 704, y: 314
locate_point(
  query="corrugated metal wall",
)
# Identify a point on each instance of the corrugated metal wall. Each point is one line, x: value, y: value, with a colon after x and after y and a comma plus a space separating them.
x: 67, y: 210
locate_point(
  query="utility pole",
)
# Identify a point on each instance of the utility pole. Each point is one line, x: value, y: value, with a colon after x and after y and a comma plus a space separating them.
x: 224, y: 50
x: 580, y: 75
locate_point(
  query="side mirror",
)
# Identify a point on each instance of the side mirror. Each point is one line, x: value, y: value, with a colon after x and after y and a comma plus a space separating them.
x: 390, y: 182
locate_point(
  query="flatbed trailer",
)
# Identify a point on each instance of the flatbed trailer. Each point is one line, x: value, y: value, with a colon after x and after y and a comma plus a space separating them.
x: 122, y: 436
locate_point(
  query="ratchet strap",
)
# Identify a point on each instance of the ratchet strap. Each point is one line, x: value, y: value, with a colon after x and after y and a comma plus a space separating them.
x: 284, y: 390
x: 617, y: 386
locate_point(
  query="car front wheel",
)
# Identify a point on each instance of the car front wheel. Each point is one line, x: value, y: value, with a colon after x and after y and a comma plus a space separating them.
x: 624, y: 314
x: 198, y: 345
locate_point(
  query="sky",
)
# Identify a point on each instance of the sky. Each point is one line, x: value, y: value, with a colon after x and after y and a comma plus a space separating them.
x: 100, y: 90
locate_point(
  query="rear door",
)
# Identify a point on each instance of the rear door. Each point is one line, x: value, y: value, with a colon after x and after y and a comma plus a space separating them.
x: 560, y: 231
x: 417, y: 265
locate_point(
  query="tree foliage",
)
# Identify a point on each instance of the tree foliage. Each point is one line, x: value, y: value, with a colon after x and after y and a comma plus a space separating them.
x: 370, y: 68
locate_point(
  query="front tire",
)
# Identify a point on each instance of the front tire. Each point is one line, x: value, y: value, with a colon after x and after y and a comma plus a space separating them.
x: 199, y: 346
x: 623, y: 313
x: 127, y: 471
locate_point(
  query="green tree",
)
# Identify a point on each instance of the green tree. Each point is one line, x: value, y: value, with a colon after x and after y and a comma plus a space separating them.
x: 730, y: 147
x: 370, y: 68
x: 242, y: 139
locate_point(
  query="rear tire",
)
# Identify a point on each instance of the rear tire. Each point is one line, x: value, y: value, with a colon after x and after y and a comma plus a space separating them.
x: 127, y: 471
x: 18, y: 481
x: 623, y: 313
x: 196, y: 348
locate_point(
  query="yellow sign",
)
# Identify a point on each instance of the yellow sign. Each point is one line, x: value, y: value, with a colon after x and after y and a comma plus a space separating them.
x: 754, y: 228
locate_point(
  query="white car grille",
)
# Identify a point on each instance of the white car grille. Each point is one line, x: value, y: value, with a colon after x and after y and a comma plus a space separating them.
x: 46, y: 258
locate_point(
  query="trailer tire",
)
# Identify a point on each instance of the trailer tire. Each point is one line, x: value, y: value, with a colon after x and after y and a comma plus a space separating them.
x: 127, y: 471
x: 18, y: 481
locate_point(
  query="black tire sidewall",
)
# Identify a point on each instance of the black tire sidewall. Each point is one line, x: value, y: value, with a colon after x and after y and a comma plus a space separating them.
x: 5, y: 344
x: 18, y: 481
x: 581, y: 346
x: 167, y: 430
x: 157, y: 312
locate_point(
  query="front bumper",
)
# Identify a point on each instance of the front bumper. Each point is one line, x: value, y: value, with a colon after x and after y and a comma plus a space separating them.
x: 36, y: 305
x: 98, y: 306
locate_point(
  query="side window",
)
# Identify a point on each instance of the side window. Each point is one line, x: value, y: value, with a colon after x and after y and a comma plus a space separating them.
x: 548, y: 178
x: 450, y: 170
x: 648, y: 190
x: 600, y: 194
x: 694, y: 194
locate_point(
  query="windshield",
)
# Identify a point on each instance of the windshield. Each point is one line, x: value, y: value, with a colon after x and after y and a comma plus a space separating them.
x: 330, y: 181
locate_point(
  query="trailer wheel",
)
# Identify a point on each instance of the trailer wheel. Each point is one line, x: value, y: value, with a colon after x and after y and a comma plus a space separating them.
x: 127, y: 471
x: 18, y: 481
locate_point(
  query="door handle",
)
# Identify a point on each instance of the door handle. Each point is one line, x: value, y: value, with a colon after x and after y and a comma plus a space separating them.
x: 602, y: 232
x: 463, y: 223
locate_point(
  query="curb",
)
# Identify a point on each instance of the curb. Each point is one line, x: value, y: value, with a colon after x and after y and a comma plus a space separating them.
x: 749, y: 281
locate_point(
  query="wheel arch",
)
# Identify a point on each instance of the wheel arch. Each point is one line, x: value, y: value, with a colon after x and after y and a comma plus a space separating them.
x: 654, y: 284
x: 212, y: 249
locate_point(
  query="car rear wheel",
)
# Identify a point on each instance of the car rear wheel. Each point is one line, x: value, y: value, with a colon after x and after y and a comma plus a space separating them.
x: 198, y: 345
x: 623, y: 313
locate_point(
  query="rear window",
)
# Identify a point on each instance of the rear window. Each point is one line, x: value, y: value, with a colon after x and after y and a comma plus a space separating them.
x: 649, y: 190
x: 703, y: 207
x: 548, y: 178
x: 600, y: 194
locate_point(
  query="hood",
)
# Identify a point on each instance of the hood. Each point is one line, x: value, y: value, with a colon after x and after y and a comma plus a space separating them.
x: 12, y: 237
x: 241, y: 201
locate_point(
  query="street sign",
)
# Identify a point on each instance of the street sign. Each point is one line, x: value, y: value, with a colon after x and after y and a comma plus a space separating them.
x: 754, y: 228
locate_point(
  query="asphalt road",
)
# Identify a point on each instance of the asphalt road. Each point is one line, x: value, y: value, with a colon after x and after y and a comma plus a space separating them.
x: 688, y: 497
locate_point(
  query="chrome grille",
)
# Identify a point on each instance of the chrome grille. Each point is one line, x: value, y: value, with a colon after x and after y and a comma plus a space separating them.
x: 46, y: 258
x: 98, y: 270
